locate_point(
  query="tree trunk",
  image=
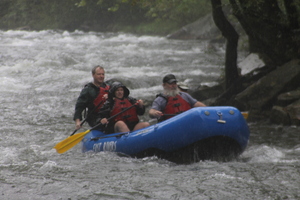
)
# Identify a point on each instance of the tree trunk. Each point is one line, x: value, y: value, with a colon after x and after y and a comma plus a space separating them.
x: 292, y: 13
x: 271, y: 31
x: 228, y: 31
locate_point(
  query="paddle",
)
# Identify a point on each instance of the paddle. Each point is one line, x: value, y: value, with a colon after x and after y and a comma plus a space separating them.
x: 71, y: 141
x: 110, y: 135
x: 87, y: 117
x: 245, y: 114
x: 170, y: 115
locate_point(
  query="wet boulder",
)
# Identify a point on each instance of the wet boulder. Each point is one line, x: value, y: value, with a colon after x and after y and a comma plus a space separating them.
x: 260, y: 97
x: 287, y: 109
x: 278, y: 115
x: 287, y: 98
x: 293, y: 110
x: 265, y: 90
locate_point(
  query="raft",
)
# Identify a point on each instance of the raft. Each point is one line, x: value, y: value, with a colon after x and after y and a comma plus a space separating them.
x: 216, y: 133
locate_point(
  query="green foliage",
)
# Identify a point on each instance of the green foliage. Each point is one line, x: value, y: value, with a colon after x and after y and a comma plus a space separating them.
x: 153, y: 28
x: 180, y: 11
x: 100, y: 15
x: 42, y: 14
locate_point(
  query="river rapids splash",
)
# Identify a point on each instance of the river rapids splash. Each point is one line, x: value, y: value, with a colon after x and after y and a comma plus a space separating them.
x: 41, y: 75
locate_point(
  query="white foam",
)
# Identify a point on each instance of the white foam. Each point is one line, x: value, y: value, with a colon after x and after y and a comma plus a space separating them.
x: 264, y: 154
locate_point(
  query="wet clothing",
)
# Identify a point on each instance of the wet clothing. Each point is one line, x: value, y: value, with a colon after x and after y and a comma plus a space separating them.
x: 127, y: 116
x: 114, y: 106
x: 98, y: 102
x: 89, y: 98
x: 162, y: 104
x: 175, y: 105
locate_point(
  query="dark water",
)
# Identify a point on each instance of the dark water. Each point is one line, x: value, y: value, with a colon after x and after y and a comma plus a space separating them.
x: 41, y: 75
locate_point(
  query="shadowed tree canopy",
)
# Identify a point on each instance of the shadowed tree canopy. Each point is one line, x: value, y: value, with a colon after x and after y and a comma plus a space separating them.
x: 272, y: 27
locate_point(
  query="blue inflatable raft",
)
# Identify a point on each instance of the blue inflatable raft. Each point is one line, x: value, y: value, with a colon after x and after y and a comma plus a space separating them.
x: 203, y: 133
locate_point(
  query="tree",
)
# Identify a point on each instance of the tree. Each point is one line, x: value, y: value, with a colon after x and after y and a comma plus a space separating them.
x: 228, y: 31
x: 272, y: 27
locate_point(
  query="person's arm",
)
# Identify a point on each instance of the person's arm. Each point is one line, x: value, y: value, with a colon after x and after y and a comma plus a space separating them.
x: 77, y: 124
x: 153, y: 113
x: 104, y: 112
x: 192, y: 101
x: 140, y: 107
x: 157, y: 107
x: 81, y: 103
x: 199, y: 104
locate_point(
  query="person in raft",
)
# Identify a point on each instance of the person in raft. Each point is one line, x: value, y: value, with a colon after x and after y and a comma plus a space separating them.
x: 172, y: 101
x: 183, y: 87
x: 118, y: 100
x: 92, y: 97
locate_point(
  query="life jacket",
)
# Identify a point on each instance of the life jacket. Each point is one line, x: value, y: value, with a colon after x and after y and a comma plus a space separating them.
x: 127, y: 116
x: 99, y: 98
x: 175, y: 105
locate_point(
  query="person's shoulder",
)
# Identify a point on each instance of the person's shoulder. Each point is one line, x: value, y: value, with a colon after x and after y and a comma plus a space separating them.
x: 89, y: 86
x: 86, y: 87
x: 161, y: 96
x: 104, y: 85
x: 185, y: 94
x: 160, y: 99
x: 131, y: 99
x: 90, y: 89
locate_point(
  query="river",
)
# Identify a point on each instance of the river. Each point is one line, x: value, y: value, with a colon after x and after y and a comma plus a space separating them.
x: 41, y: 75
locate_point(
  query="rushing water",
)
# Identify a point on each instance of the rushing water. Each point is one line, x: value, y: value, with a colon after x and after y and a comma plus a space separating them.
x: 41, y: 75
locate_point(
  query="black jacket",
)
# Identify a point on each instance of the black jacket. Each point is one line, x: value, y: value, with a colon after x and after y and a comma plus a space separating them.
x: 85, y: 100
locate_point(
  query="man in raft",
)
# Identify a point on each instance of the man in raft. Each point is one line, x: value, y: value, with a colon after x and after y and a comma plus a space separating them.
x: 92, y: 97
x: 171, y: 101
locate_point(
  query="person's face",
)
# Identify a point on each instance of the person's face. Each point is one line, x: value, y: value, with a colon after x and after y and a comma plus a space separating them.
x: 170, y: 86
x: 119, y: 93
x: 99, y: 76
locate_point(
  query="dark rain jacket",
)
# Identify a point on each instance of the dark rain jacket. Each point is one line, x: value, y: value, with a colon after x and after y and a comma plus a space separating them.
x: 109, y: 104
x: 86, y: 100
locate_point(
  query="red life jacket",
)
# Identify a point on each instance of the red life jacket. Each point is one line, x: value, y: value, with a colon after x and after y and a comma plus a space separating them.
x: 127, y: 116
x: 175, y: 105
x: 99, y: 98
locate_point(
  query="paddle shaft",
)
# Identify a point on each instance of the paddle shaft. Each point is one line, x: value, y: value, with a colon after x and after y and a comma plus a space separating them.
x: 90, y: 113
x: 168, y: 115
x: 109, y: 136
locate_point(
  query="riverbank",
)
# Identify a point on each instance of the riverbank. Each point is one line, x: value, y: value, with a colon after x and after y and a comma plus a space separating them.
x: 93, y: 16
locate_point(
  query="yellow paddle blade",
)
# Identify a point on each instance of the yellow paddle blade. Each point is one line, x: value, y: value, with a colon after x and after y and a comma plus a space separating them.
x: 70, y: 142
x: 245, y: 115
